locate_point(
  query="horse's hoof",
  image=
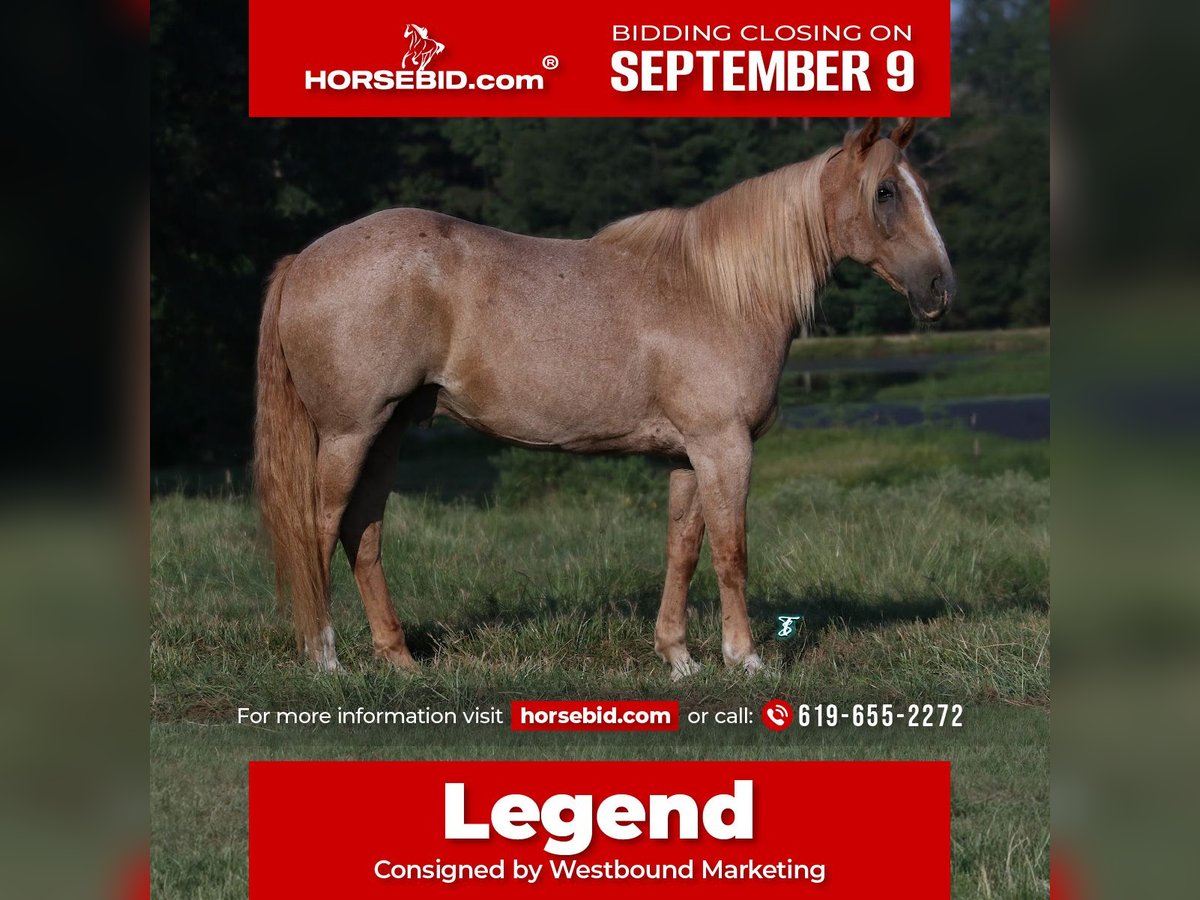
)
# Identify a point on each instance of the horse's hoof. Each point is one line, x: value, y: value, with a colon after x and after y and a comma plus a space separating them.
x: 684, y: 668
x: 752, y: 664
x: 399, y: 659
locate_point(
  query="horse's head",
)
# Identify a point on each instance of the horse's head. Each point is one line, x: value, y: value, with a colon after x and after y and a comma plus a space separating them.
x: 877, y: 213
x: 410, y: 30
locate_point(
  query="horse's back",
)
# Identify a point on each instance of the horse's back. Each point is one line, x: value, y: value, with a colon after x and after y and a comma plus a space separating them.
x: 406, y: 297
x: 413, y: 244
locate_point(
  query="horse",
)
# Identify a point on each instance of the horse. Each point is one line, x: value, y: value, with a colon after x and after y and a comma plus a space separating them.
x: 664, y: 334
x: 421, y: 48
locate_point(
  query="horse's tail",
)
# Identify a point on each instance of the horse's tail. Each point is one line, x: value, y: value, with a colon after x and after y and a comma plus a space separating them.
x: 285, y: 477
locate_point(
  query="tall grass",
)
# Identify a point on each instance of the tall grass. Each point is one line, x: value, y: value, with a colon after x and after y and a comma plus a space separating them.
x: 933, y: 587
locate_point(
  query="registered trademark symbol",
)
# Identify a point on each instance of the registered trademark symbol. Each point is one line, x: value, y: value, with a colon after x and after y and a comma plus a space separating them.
x: 549, y: 62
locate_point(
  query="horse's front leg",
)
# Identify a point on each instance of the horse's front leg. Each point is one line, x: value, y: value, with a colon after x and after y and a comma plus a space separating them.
x: 685, y: 532
x: 722, y: 467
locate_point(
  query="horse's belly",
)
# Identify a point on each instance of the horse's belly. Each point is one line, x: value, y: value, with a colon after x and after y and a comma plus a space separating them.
x: 559, y: 418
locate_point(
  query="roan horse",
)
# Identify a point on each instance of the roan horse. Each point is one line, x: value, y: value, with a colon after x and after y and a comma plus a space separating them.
x: 666, y: 334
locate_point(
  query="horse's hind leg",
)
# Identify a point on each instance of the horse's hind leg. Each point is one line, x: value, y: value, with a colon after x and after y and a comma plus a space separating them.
x: 339, y: 462
x: 685, y: 532
x: 361, y: 532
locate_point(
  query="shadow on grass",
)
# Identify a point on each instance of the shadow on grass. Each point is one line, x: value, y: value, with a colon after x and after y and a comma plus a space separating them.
x: 818, y: 611
x: 426, y: 638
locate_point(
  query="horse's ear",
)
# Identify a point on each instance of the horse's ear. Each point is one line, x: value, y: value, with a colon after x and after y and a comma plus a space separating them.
x: 903, y: 133
x: 862, y: 140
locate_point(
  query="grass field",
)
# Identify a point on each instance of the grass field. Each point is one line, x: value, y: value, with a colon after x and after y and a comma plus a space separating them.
x: 921, y: 343
x: 918, y: 557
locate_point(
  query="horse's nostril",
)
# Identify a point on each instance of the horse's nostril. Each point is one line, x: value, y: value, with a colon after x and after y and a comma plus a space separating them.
x: 935, y: 286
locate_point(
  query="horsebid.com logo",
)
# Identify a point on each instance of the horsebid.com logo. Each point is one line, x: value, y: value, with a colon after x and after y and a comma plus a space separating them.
x: 421, y: 47
x: 413, y: 75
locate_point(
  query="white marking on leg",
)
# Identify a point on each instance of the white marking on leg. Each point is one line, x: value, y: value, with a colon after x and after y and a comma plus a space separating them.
x: 751, y: 661
x: 683, y: 666
x: 326, y: 655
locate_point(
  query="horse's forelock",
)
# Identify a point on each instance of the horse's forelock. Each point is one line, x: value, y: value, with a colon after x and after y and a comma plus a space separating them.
x: 882, y: 156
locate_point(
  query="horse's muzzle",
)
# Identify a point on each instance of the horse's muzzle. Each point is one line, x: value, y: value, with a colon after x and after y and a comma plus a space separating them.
x: 935, y: 301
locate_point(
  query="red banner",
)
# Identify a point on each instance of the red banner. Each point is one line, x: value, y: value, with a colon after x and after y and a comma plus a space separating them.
x: 595, y: 715
x: 648, y: 829
x: 695, y: 58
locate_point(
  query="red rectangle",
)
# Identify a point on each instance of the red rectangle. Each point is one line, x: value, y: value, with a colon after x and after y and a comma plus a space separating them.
x: 595, y: 715
x: 389, y: 829
x: 709, y: 58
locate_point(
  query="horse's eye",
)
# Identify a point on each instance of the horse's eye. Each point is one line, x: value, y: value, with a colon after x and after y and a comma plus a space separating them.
x: 883, y: 193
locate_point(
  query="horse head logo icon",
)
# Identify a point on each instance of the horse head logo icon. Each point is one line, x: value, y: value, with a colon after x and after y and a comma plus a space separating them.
x: 421, y: 47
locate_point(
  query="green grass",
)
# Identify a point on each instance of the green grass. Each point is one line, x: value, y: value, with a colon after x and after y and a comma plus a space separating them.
x: 1007, y: 374
x: 922, y: 343
x: 918, y: 557
x: 897, y: 584
x: 890, y: 456
x: 555, y: 589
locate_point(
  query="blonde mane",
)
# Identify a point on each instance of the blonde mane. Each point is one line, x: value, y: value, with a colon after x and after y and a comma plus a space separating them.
x: 759, y: 250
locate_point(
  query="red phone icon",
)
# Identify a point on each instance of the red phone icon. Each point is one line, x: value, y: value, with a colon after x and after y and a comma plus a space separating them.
x: 777, y: 714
